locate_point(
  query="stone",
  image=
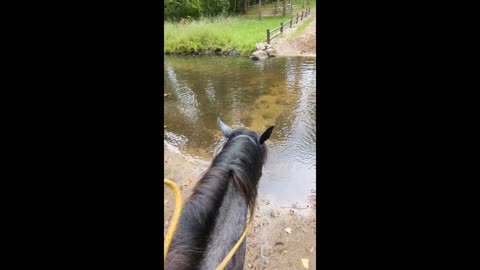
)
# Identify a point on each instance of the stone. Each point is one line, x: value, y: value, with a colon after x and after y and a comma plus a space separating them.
x: 271, y: 52
x: 260, y: 47
x: 259, y: 55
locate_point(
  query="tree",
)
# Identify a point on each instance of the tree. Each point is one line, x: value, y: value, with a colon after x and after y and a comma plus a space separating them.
x: 259, y: 9
x: 284, y: 8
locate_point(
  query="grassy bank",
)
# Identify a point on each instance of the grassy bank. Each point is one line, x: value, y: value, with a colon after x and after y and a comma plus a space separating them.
x: 227, y: 34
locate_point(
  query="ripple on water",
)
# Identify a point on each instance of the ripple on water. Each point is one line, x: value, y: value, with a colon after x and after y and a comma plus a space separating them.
x: 280, y: 92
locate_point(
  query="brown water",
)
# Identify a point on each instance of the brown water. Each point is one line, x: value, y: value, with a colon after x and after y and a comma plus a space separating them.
x: 280, y: 91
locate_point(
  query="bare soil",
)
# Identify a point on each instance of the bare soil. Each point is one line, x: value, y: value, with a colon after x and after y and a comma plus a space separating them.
x: 301, y: 45
x: 269, y: 245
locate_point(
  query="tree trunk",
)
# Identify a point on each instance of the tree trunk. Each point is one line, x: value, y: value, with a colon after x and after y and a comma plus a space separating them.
x: 284, y: 8
x: 259, y: 9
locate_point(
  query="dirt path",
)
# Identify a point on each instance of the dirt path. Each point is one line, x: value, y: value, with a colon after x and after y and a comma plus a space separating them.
x: 301, y: 45
x: 269, y: 245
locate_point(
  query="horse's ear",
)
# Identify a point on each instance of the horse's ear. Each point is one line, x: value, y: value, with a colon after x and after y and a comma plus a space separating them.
x: 266, y: 134
x: 226, y: 130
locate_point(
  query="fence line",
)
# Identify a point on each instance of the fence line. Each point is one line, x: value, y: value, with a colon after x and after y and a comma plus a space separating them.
x: 303, y: 15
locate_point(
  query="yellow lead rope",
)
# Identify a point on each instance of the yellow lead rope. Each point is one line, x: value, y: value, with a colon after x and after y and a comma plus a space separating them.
x: 175, y: 218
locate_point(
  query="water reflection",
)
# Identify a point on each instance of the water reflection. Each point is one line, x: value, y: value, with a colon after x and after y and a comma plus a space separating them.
x: 280, y: 92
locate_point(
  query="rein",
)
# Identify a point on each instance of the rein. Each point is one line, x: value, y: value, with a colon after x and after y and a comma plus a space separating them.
x: 176, y: 216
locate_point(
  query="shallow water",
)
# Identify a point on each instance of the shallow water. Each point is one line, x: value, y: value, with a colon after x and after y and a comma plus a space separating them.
x: 280, y: 91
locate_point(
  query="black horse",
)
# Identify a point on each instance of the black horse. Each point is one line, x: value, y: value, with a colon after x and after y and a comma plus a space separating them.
x: 215, y: 215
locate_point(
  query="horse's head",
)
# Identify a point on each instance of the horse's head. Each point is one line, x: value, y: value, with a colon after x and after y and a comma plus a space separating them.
x: 241, y: 140
x: 231, y: 134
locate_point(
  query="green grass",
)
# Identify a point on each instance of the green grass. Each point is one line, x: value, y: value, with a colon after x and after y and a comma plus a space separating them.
x: 226, y: 34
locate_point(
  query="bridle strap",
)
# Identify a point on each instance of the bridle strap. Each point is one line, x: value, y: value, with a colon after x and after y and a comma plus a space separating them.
x: 245, y: 136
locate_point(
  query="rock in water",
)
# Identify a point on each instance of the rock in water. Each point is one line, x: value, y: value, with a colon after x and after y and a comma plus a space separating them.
x: 259, y: 55
x: 271, y: 52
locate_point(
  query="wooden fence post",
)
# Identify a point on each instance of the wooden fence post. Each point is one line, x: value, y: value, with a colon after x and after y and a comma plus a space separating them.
x: 291, y: 20
x: 281, y: 27
x: 301, y: 18
x: 297, y: 18
x: 268, y: 36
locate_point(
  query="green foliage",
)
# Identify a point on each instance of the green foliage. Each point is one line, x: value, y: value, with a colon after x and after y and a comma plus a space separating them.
x: 175, y: 10
x: 178, y: 9
x: 215, y: 7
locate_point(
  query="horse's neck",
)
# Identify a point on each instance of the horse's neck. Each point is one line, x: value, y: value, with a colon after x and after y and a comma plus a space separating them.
x: 229, y: 226
x: 212, y: 221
